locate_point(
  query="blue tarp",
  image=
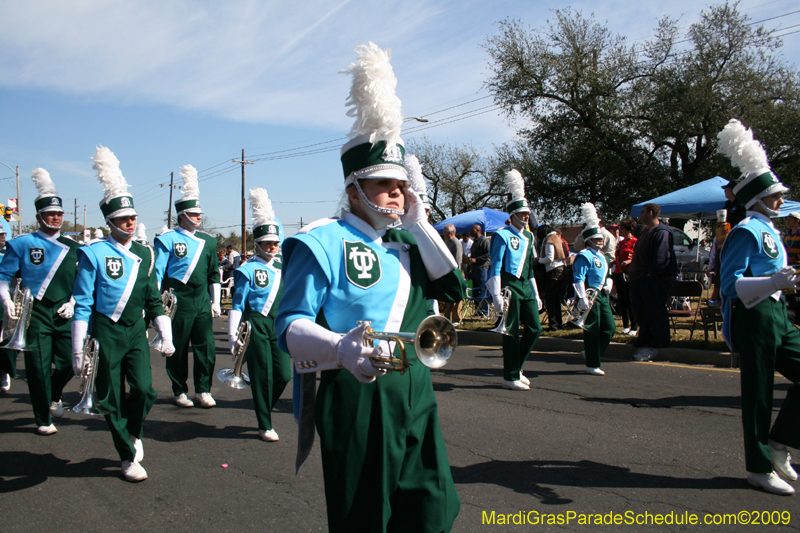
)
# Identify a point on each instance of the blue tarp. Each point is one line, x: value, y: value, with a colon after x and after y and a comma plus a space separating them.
x: 489, y: 219
x: 701, y: 200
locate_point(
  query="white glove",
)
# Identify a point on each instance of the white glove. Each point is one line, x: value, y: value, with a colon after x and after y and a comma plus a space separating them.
x: 8, y: 306
x: 535, y: 289
x: 583, y: 303
x: 414, y: 210
x: 67, y: 310
x: 234, y: 318
x: 785, y: 278
x: 493, y: 287
x: 354, y: 356
x: 164, y: 326
x: 8, y: 301
x: 215, y: 291
x: 79, y: 329
x: 608, y: 286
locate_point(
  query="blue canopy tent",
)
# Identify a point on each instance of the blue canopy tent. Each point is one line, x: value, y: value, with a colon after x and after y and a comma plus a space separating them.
x: 701, y: 200
x: 489, y: 219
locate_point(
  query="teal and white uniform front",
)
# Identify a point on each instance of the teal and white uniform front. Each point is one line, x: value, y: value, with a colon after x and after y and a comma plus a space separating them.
x: 115, y: 284
x: 257, y: 295
x: 764, y: 337
x: 381, y: 442
x: 47, y: 266
x: 591, y: 268
x: 512, y: 261
x: 187, y: 263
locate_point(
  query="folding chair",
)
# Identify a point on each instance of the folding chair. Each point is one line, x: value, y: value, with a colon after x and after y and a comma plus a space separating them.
x: 692, y: 291
x: 711, y: 316
x: 225, y: 288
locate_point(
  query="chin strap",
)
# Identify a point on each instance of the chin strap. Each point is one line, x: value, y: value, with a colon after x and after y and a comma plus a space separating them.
x: 771, y: 213
x: 519, y: 224
x: 114, y: 226
x: 381, y: 210
x: 46, y: 225
x: 191, y: 223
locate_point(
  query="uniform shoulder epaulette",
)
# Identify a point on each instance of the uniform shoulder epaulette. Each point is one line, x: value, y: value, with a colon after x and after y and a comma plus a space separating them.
x: 317, y: 224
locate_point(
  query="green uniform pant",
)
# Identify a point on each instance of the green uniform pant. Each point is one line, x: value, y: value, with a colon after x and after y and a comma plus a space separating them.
x: 599, y: 329
x: 767, y: 342
x: 50, y: 341
x: 124, y: 357
x: 269, y: 367
x: 383, y: 456
x: 523, y: 309
x: 192, y: 322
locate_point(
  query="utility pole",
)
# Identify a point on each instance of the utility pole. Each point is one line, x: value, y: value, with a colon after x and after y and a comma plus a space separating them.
x: 75, y: 224
x: 84, y: 219
x: 243, y: 162
x: 171, y: 186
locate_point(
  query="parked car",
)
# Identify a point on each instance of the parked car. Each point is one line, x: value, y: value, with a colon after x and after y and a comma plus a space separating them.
x: 692, y: 259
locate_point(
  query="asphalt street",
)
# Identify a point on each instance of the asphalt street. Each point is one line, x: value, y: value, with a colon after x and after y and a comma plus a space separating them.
x: 648, y: 439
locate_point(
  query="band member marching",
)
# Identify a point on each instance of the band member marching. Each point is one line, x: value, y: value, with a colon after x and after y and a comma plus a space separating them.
x: 753, y: 276
x: 46, y: 263
x: 187, y: 263
x: 512, y: 255
x: 257, y: 294
x: 591, y: 271
x: 383, y: 456
x: 115, y: 283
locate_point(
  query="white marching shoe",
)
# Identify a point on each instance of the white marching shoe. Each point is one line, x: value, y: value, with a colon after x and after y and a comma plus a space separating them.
x: 269, y: 435
x: 594, y: 371
x: 515, y: 385
x: 56, y: 409
x: 524, y: 380
x: 5, y: 382
x: 771, y: 482
x: 46, y: 430
x: 138, y: 448
x: 182, y: 400
x: 205, y: 400
x: 133, y: 471
x: 782, y: 461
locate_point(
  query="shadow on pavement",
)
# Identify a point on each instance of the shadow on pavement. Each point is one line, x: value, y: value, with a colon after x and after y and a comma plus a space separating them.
x: 30, y: 469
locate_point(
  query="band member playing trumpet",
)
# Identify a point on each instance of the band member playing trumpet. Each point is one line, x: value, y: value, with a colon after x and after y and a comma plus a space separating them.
x: 187, y: 263
x: 753, y: 276
x: 383, y: 456
x: 116, y: 281
x: 590, y: 270
x: 512, y: 266
x: 257, y: 294
x: 46, y: 263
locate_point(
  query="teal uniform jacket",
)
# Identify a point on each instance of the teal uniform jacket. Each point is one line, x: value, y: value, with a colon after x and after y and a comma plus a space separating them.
x: 187, y: 263
x: 47, y: 266
x: 384, y: 459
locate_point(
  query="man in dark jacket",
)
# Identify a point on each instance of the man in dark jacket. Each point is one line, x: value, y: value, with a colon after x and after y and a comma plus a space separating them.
x: 652, y: 274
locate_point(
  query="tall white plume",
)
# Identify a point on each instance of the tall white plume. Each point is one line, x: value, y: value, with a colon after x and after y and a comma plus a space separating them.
x: 108, y: 173
x: 261, y: 206
x: 190, y: 188
x: 45, y: 186
x: 164, y: 229
x: 98, y: 233
x: 589, y: 215
x: 372, y: 96
x: 745, y: 152
x: 515, y: 185
x: 141, y: 236
x: 415, y: 176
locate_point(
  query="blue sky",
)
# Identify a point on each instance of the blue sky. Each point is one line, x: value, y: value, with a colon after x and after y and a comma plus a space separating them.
x: 163, y: 84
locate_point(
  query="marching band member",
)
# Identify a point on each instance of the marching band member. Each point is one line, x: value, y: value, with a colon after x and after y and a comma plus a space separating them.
x: 384, y: 459
x: 115, y: 283
x: 257, y: 294
x: 46, y: 263
x: 512, y: 254
x: 8, y: 360
x: 590, y: 270
x: 753, y: 275
x: 187, y: 263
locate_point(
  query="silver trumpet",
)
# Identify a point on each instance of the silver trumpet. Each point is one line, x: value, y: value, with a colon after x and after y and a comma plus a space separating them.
x: 234, y: 377
x: 23, y: 305
x: 170, y: 303
x: 435, y: 341
x: 88, y: 404
x: 502, y: 327
x: 575, y: 315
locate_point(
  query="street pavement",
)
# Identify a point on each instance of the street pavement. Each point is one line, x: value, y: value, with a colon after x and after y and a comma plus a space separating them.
x: 648, y: 440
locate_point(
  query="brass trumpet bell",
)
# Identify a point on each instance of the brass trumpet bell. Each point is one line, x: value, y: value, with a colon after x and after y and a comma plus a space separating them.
x: 435, y: 341
x: 23, y: 301
x: 234, y: 377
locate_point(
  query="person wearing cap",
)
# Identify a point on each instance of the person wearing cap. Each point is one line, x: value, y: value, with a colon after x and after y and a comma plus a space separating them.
x: 116, y: 292
x: 256, y: 297
x: 792, y: 239
x: 754, y: 273
x: 591, y: 271
x: 186, y: 262
x: 45, y: 261
x: 512, y: 254
x: 384, y: 459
